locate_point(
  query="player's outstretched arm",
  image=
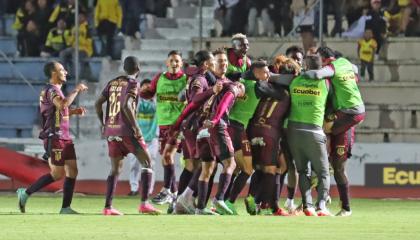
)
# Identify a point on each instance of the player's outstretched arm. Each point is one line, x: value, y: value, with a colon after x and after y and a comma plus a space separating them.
x: 98, y: 108
x: 325, y: 72
x: 61, y: 103
x: 77, y: 111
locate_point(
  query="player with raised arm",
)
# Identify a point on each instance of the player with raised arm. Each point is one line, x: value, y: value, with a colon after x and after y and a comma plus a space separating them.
x: 167, y: 86
x: 55, y: 112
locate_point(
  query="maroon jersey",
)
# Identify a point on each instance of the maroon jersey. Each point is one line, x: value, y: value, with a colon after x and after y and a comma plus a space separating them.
x: 270, y: 114
x: 219, y: 105
x: 54, y: 122
x: 116, y: 92
x: 196, y: 84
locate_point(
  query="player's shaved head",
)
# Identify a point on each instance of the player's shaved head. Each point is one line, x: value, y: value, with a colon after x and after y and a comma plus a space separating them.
x: 131, y: 65
x: 49, y: 68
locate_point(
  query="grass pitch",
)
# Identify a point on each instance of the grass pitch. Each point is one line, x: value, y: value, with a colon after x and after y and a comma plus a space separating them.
x: 372, y: 219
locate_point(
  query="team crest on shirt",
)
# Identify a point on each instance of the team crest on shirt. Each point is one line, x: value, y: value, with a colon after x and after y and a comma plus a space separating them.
x: 340, y: 150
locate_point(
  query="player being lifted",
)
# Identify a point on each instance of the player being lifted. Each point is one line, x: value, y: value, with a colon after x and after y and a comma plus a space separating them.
x: 123, y: 134
x: 349, y: 110
x: 55, y: 133
x: 167, y: 86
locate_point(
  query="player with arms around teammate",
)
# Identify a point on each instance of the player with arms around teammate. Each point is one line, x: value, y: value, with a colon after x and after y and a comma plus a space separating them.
x: 123, y: 134
x: 308, y: 142
x: 167, y: 86
x: 349, y: 110
x: 55, y: 113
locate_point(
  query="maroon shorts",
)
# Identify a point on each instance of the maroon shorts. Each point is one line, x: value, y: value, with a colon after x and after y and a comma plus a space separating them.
x: 346, y: 121
x: 239, y: 139
x: 266, y: 154
x: 342, y: 137
x: 165, y: 139
x: 189, y: 149
x: 341, y: 145
x: 220, y: 143
x: 204, y: 151
x: 125, y: 145
x: 60, y: 150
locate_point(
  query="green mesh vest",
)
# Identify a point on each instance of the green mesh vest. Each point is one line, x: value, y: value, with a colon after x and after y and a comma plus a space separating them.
x: 168, y: 107
x: 308, y: 100
x: 346, y: 91
x: 244, y: 108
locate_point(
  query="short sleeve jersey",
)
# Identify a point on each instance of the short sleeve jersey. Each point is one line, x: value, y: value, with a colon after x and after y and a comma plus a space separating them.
x: 116, y: 93
x: 54, y: 122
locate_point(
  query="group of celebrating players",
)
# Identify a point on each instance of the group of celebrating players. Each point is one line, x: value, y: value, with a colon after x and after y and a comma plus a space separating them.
x: 295, y: 117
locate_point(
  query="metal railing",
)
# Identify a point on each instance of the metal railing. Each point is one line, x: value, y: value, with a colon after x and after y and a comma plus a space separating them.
x: 15, y: 70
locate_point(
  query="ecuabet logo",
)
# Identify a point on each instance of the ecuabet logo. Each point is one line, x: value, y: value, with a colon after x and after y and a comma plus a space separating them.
x: 392, y: 175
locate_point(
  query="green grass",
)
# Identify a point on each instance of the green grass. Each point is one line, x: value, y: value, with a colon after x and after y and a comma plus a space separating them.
x: 372, y: 219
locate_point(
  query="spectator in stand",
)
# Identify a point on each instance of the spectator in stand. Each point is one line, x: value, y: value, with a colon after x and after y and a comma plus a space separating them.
x: 132, y: 10
x: 336, y: 7
x: 224, y: 14
x: 304, y: 14
x: 259, y: 9
x: 3, y: 9
x: 376, y: 21
x: 108, y: 18
x: 355, y: 9
x: 281, y: 15
x: 42, y: 16
x: 31, y: 40
x: 366, y: 49
x: 413, y: 28
x: 406, y: 10
x: 24, y: 15
x: 58, y: 39
x: 85, y: 48
x: 66, y: 10
x: 158, y: 7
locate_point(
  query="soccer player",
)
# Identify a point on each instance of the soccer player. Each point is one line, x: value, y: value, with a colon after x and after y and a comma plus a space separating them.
x: 307, y: 139
x: 220, y: 145
x: 238, y: 61
x: 55, y: 133
x: 296, y: 53
x: 265, y: 130
x: 199, y: 89
x: 239, y: 117
x: 349, y: 110
x: 123, y: 134
x: 167, y: 86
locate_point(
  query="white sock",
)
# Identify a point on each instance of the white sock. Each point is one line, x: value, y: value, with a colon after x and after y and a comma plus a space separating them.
x: 322, y: 205
x: 188, y: 193
x: 290, y: 202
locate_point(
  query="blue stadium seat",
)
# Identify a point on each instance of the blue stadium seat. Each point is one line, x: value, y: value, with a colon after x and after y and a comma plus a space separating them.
x: 8, y: 45
x: 33, y: 68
